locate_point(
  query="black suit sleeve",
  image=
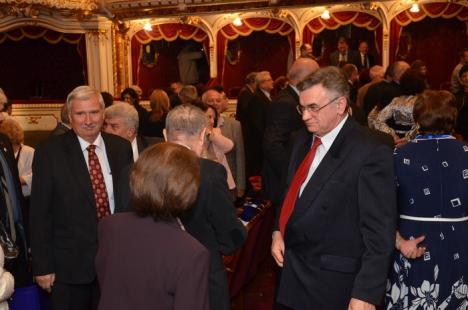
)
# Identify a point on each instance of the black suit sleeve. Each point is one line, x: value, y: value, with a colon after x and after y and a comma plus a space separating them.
x: 377, y: 210
x: 123, y: 201
x: 41, y: 219
x: 229, y: 231
x: 277, y: 135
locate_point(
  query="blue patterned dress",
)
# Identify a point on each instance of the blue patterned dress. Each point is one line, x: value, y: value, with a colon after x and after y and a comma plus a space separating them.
x: 432, y: 182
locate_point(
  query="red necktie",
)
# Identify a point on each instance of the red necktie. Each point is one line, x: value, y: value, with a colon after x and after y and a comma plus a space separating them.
x: 97, y: 180
x: 299, y: 178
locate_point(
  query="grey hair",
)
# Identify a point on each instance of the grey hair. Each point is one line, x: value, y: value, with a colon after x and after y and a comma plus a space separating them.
x: 82, y: 93
x: 185, y: 120
x: 204, y: 97
x: 64, y: 114
x: 261, y: 76
x: 126, y: 112
x: 331, y: 78
x: 376, y: 71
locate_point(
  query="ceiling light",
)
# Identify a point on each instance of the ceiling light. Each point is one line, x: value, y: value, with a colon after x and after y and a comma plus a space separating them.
x: 414, y: 8
x: 325, y: 14
x: 237, y: 22
x: 148, y: 26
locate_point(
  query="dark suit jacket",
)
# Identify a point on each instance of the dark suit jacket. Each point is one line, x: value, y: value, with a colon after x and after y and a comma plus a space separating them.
x: 370, y: 60
x: 143, y: 264
x: 254, y: 129
x: 63, y: 210
x: 214, y: 223
x: 353, y: 58
x: 245, y: 94
x: 340, y: 238
x: 144, y: 142
x: 59, y: 129
x: 381, y: 94
x: 281, y: 121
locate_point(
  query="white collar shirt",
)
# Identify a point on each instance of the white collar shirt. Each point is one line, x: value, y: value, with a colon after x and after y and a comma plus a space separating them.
x: 322, y: 149
x: 135, y: 149
x: 105, y: 167
x: 267, y: 94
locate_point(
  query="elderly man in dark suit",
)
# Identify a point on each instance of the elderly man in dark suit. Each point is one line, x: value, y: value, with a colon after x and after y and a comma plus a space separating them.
x: 281, y: 121
x: 212, y: 220
x: 255, y: 123
x: 74, y: 182
x: 366, y: 60
x: 343, y: 55
x: 122, y: 120
x: 245, y: 94
x: 336, y: 228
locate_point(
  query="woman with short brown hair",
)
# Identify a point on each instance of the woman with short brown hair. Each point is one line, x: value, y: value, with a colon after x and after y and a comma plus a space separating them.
x: 431, y: 258
x: 145, y: 259
x: 160, y: 105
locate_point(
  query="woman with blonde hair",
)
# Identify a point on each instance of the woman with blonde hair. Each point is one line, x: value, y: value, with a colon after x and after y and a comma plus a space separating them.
x: 24, y: 154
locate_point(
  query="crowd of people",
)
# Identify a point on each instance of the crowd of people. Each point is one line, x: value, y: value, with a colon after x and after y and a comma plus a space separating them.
x: 367, y: 168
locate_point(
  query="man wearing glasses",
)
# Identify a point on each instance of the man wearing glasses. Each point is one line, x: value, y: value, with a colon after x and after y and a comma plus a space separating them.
x: 336, y: 228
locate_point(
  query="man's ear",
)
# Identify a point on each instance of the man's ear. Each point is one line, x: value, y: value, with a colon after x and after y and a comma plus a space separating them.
x: 203, y: 136
x: 342, y: 105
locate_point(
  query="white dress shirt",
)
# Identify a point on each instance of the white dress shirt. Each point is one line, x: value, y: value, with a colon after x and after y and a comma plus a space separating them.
x: 322, y: 149
x: 25, y: 159
x: 105, y: 167
x: 135, y: 149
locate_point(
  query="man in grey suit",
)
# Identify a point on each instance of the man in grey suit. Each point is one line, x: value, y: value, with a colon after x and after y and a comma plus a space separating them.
x: 231, y: 129
x: 75, y: 177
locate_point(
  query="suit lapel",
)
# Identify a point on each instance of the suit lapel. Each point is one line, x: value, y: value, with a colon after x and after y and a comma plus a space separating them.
x: 141, y: 145
x: 329, y: 164
x: 110, y: 152
x: 78, y: 165
x: 293, y: 94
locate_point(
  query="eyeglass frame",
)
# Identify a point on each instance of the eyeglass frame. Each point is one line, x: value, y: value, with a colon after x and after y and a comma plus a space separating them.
x: 300, y: 109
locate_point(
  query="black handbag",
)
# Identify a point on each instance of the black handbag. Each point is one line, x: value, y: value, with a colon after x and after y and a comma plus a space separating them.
x: 10, y: 249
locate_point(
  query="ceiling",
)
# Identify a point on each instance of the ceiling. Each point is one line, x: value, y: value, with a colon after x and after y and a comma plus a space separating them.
x: 124, y: 9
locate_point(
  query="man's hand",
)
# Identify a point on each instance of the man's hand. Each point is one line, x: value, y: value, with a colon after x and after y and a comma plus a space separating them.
x: 410, y: 249
x: 46, y: 281
x: 356, y: 304
x: 277, y: 248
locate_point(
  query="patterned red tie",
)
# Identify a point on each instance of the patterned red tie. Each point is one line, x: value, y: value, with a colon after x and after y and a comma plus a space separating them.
x: 299, y: 178
x: 97, y: 180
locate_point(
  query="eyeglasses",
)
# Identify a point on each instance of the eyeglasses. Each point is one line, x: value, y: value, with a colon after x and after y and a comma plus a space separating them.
x: 313, y: 107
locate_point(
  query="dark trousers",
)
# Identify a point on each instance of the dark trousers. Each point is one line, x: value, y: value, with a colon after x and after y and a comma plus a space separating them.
x: 66, y: 296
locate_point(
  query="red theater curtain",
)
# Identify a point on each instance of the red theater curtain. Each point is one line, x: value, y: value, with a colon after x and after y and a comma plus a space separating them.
x: 170, y: 40
x: 434, y: 10
x: 273, y: 27
x: 339, y: 19
x: 39, y: 63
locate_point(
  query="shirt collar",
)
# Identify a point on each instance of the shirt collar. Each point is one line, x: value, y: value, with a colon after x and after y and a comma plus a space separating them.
x: 294, y: 88
x: 99, y: 143
x: 220, y: 121
x: 267, y: 94
x: 327, y: 139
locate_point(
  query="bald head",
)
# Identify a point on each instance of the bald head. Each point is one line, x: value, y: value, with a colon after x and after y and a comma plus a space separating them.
x: 301, y: 68
x: 400, y: 68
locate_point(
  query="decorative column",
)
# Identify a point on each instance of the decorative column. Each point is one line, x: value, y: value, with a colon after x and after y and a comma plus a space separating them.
x: 120, y: 57
x: 99, y: 56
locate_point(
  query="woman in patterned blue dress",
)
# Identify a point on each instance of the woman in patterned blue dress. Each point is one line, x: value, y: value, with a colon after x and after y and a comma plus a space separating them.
x: 430, y: 269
